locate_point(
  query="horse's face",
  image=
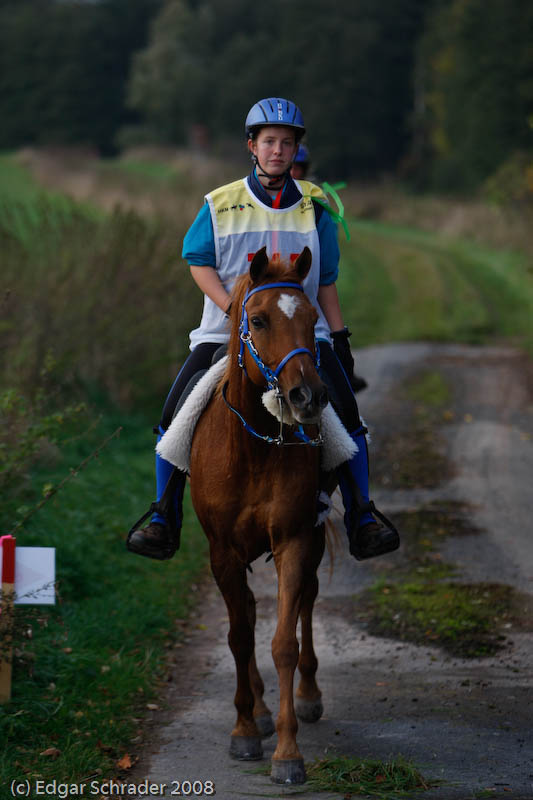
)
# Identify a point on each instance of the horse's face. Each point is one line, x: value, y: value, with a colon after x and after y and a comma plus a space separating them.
x: 282, y: 320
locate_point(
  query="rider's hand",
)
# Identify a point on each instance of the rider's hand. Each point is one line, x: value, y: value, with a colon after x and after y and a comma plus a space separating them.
x: 341, y: 347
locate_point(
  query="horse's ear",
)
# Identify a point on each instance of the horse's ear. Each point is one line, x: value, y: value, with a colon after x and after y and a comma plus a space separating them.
x: 303, y: 263
x: 259, y: 264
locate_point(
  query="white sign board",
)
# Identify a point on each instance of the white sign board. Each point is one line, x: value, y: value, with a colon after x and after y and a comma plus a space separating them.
x: 35, y: 574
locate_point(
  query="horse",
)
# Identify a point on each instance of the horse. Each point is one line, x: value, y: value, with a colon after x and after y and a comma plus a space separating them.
x: 254, y: 485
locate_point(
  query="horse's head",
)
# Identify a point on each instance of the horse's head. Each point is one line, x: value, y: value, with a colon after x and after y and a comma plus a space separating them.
x: 277, y: 339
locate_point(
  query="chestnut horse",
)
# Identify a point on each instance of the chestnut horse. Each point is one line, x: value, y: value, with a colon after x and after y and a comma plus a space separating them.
x: 254, y: 493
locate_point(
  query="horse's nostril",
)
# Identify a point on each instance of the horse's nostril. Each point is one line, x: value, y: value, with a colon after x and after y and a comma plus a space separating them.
x: 300, y: 396
x: 322, y: 397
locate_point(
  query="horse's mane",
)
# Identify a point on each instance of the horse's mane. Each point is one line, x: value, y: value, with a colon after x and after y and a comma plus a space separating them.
x: 276, y: 271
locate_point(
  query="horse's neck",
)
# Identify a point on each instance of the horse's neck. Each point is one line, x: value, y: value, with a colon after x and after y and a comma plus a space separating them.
x: 245, y: 396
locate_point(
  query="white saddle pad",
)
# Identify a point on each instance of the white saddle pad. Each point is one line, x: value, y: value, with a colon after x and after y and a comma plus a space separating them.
x: 175, y: 444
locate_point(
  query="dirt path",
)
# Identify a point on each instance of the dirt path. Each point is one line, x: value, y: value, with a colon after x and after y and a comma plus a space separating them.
x: 464, y: 721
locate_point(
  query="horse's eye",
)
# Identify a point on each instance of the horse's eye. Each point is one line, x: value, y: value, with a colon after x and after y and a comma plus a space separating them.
x: 257, y: 322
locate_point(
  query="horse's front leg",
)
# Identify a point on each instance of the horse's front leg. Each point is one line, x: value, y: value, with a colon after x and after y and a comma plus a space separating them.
x: 292, y: 564
x: 230, y: 576
x: 308, y: 703
x: 262, y: 714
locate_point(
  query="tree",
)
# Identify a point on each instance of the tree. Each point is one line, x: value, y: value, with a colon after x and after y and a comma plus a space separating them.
x: 348, y: 68
x: 478, y: 64
x: 64, y: 67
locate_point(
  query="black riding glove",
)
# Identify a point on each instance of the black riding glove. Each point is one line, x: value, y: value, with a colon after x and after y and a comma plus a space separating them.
x: 341, y: 348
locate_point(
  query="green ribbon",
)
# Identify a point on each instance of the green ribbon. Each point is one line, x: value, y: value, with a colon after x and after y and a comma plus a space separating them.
x: 338, y: 215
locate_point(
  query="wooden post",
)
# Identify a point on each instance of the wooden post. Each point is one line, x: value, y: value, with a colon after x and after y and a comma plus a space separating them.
x: 7, y: 616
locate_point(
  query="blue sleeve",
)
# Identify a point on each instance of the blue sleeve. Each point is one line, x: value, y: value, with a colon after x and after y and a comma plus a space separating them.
x: 199, y: 242
x: 329, y: 249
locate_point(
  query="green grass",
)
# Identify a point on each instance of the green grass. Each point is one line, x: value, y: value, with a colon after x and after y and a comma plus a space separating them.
x: 402, y: 284
x: 464, y: 619
x: 85, y: 669
x: 368, y: 777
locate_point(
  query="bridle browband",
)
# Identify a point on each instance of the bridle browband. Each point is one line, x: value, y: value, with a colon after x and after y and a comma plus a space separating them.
x: 271, y: 376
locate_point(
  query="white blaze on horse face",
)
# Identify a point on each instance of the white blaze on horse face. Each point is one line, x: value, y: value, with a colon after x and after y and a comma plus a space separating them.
x: 288, y: 303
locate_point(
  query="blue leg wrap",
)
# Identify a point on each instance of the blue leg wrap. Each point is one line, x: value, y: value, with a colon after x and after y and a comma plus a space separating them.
x: 163, y: 471
x: 359, y: 469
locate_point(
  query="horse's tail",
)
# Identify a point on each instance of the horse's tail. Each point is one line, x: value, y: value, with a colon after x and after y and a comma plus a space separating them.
x: 334, y: 529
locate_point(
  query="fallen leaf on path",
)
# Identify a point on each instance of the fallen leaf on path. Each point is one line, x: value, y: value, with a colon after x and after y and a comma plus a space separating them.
x: 51, y: 752
x: 125, y: 762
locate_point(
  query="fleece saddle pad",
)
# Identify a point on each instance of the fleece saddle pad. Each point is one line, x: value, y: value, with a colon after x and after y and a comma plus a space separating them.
x: 175, y: 444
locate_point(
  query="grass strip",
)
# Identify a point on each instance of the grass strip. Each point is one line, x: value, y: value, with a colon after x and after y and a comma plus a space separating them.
x: 400, y: 283
x: 370, y: 777
x: 463, y: 619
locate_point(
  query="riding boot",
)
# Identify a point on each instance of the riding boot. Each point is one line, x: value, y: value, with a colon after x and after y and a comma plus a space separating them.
x: 367, y: 537
x: 161, y: 538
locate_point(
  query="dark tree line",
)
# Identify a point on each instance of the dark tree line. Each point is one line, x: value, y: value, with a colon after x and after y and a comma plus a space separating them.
x: 64, y: 68
x: 440, y: 91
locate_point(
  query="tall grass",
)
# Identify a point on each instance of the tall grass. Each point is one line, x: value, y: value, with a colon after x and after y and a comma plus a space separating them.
x: 106, y: 297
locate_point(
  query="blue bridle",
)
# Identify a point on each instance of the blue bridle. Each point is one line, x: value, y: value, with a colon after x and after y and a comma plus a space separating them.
x: 271, y: 376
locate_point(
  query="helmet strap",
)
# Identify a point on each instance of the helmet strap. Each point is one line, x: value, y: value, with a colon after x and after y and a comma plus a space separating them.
x: 273, y: 180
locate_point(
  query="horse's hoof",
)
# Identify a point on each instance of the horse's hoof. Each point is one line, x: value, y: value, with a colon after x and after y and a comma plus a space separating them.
x: 246, y: 748
x: 289, y: 771
x: 308, y: 710
x: 265, y: 724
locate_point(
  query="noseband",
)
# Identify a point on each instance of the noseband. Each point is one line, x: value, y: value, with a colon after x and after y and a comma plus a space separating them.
x: 271, y: 376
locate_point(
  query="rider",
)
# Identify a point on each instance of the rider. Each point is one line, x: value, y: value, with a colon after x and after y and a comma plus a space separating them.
x: 269, y: 207
x: 301, y: 163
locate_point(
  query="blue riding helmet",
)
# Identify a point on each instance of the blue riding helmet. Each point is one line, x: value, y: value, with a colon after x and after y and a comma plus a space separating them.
x: 302, y: 155
x: 274, y: 111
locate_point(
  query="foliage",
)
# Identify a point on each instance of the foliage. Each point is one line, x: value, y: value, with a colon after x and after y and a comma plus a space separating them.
x: 352, y: 81
x: 105, y: 298
x: 512, y: 183
x: 28, y: 429
x: 438, y: 91
x: 476, y: 75
x: 63, y: 68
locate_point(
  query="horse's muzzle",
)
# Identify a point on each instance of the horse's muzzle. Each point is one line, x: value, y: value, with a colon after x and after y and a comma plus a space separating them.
x: 308, y: 402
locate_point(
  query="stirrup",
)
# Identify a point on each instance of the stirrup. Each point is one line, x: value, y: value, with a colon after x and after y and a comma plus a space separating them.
x: 173, y: 539
x: 165, y: 508
x: 380, y: 541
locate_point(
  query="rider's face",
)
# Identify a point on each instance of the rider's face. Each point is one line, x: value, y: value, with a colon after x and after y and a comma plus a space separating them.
x: 274, y: 147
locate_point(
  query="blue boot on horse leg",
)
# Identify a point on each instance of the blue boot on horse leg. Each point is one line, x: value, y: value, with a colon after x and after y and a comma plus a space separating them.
x: 161, y: 537
x: 366, y: 535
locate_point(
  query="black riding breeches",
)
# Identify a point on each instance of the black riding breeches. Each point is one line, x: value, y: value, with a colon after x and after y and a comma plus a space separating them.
x: 339, y: 388
x: 200, y: 358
